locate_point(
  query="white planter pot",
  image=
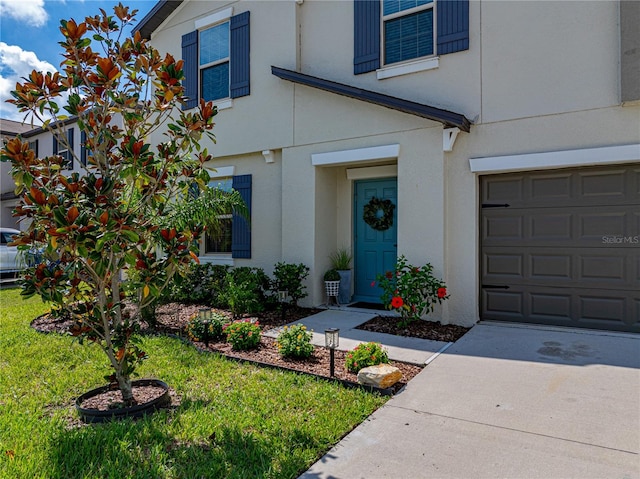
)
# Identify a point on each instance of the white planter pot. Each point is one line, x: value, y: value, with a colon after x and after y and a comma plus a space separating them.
x: 332, y: 288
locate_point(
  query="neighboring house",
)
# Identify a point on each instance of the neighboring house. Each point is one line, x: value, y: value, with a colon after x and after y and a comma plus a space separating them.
x: 68, y: 144
x: 8, y: 129
x: 506, y: 134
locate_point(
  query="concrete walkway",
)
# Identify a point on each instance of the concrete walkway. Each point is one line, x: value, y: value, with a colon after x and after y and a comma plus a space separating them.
x: 409, y: 350
x: 506, y: 401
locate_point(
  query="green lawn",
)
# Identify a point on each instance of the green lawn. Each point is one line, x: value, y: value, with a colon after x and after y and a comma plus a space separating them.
x: 235, y: 421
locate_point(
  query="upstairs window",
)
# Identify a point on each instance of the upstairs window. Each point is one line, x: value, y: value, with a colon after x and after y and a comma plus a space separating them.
x: 407, y: 29
x: 389, y: 32
x: 216, y: 59
x: 214, y: 62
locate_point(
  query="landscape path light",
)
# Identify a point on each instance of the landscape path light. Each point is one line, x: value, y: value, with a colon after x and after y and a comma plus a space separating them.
x: 331, y: 341
x: 205, y: 318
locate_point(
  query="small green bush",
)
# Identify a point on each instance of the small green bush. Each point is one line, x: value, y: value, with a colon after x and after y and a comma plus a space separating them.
x: 198, y: 330
x: 365, y: 355
x: 245, y: 290
x: 295, y: 342
x: 289, y: 277
x: 203, y: 284
x: 243, y: 335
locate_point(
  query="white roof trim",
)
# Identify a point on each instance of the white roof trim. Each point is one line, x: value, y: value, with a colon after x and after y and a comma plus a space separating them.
x: 214, y: 18
x: 556, y: 159
x: 222, y: 172
x: 356, y: 155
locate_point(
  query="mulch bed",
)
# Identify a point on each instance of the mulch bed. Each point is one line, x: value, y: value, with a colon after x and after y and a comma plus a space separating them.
x: 415, y: 329
x: 173, y: 317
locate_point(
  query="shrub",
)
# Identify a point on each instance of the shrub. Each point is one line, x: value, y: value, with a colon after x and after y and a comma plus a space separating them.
x: 295, y: 342
x: 212, y: 330
x: 289, y: 277
x: 244, y: 290
x: 243, y: 335
x: 202, y: 284
x: 365, y: 355
x: 332, y: 275
x: 412, y: 291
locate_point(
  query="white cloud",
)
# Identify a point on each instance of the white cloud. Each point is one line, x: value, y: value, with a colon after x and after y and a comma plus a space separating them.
x: 15, y: 64
x: 31, y: 12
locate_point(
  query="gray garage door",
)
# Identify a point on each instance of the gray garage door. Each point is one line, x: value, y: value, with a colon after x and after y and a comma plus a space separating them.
x: 562, y: 247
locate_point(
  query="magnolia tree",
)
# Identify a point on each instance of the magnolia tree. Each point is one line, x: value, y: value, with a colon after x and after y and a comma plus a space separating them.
x: 116, y: 226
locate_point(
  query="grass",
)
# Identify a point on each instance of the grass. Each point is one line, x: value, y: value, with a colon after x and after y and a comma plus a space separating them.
x: 234, y: 420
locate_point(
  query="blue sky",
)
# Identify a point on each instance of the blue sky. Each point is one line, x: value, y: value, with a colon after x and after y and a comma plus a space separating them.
x: 29, y: 37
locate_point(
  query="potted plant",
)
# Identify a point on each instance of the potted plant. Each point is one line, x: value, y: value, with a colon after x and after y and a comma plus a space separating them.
x: 341, y: 261
x: 332, y: 283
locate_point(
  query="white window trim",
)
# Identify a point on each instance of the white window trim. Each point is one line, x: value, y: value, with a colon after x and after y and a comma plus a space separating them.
x: 403, y: 13
x: 218, y: 17
x: 556, y: 159
x: 204, y: 24
x: 413, y: 66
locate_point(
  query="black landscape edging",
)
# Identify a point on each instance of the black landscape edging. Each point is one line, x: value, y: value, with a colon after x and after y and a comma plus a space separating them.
x: 139, y: 410
x: 343, y: 382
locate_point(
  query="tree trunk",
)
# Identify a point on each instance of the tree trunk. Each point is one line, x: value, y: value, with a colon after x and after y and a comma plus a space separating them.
x: 124, y: 383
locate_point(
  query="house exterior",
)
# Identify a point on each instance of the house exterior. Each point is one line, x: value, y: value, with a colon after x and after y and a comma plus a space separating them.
x: 506, y: 135
x: 43, y: 143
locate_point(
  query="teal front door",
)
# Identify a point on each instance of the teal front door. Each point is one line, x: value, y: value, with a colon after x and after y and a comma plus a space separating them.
x: 375, y: 247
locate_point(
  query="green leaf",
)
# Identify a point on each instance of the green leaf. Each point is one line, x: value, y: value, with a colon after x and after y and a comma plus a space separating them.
x: 131, y: 235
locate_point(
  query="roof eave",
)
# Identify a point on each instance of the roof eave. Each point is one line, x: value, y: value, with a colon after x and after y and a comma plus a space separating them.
x: 448, y: 118
x: 158, y: 14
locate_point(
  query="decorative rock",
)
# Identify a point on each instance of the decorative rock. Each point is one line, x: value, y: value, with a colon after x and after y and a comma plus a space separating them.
x: 381, y: 376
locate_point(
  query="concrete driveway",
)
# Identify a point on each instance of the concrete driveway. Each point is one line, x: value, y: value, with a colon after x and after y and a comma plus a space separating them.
x: 507, y: 401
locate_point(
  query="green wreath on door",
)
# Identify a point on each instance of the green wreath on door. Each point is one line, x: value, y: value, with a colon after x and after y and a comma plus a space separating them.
x: 372, y: 216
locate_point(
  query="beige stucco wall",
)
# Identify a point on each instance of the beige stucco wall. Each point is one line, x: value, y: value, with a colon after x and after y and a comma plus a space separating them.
x: 262, y: 120
x: 541, y: 58
x: 538, y: 77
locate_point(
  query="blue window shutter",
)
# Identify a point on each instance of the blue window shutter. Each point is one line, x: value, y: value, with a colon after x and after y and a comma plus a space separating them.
x: 55, y: 144
x: 453, y: 26
x: 83, y: 148
x: 190, y: 57
x: 70, y: 150
x: 239, y: 55
x: 366, y: 36
x: 240, y: 228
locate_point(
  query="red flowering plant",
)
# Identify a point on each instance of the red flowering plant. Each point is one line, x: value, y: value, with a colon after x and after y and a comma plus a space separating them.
x: 411, y: 291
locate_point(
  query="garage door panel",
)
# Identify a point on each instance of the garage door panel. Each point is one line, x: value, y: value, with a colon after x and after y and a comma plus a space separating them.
x: 504, y: 227
x: 551, y: 306
x: 499, y: 304
x: 607, y: 185
x: 601, y: 226
x: 549, y: 266
x: 571, y: 187
x: 576, y: 307
x: 602, y: 308
x: 606, y: 268
x: 500, y: 265
x: 507, y: 188
x: 550, y: 226
x: 562, y: 247
x: 600, y: 267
